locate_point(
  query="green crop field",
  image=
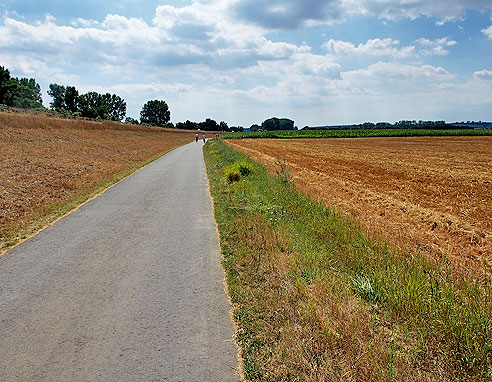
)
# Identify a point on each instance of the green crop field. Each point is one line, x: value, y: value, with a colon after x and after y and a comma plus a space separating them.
x: 359, y: 133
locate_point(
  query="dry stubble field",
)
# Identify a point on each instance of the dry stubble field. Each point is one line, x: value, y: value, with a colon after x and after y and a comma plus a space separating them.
x: 49, y: 165
x: 429, y: 194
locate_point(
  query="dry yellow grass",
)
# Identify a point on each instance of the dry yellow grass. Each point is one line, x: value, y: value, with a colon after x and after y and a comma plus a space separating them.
x: 48, y: 165
x: 429, y: 194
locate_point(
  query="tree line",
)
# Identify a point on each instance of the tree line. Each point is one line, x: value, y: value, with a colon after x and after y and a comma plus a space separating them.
x: 274, y: 124
x: 25, y: 93
x: 66, y: 99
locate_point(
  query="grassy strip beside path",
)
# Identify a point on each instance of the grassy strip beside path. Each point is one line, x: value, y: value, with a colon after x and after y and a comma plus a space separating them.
x: 316, y: 300
x: 359, y: 133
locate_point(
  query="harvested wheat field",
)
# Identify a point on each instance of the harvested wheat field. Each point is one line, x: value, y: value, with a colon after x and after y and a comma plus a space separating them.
x: 428, y: 194
x: 49, y: 165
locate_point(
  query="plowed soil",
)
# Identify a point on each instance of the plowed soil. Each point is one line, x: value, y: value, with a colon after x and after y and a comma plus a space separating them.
x: 47, y: 161
x: 427, y: 194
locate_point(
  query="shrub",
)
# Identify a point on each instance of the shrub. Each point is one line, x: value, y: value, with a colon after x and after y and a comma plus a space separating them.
x: 244, y: 168
x: 240, y: 168
x: 232, y: 173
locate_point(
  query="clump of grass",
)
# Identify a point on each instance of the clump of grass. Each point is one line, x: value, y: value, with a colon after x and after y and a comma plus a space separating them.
x: 366, y: 288
x: 282, y: 171
x: 315, y: 299
x: 234, y: 171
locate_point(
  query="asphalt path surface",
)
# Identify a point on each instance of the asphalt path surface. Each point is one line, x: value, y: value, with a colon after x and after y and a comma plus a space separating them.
x: 127, y: 288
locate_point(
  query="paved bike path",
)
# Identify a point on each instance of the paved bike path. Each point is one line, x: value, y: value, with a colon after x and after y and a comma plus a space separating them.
x: 127, y: 288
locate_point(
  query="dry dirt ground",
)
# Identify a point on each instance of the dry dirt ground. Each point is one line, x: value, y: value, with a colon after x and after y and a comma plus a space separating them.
x: 432, y: 195
x: 46, y: 161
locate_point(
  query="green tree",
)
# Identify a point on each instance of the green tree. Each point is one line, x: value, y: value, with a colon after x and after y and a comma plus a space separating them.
x: 155, y: 112
x: 23, y: 93
x: 209, y: 125
x: 131, y: 121
x: 6, y: 85
x: 116, y: 106
x: 71, y: 101
x: 93, y: 105
x: 57, y: 93
x: 26, y: 94
x: 278, y: 124
x: 223, y: 126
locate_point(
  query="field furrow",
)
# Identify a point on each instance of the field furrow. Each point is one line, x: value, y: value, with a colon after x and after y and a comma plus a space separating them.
x: 428, y: 194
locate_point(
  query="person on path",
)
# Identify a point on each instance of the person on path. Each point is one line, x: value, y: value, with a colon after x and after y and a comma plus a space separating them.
x: 204, y: 138
x: 196, y: 137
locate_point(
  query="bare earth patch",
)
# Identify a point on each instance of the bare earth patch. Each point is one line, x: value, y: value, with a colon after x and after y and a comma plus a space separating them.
x: 45, y: 162
x: 429, y: 194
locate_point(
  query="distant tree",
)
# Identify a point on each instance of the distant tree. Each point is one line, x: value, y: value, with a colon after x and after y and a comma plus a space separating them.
x: 115, y: 105
x: 71, y: 99
x: 155, y: 112
x: 368, y: 125
x: 278, y: 124
x: 6, y: 84
x: 25, y: 93
x: 191, y: 125
x: 223, y: 126
x: 209, y: 125
x: 131, y: 121
x: 383, y: 125
x: 93, y: 105
x: 188, y: 125
x: 57, y: 93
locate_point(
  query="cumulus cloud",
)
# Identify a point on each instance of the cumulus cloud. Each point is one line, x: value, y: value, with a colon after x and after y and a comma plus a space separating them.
x: 440, y: 9
x: 398, y: 72
x: 218, y: 56
x: 488, y: 32
x: 483, y: 75
x: 292, y: 14
x: 288, y: 14
x: 196, y: 34
x: 375, y: 47
x: 435, y: 47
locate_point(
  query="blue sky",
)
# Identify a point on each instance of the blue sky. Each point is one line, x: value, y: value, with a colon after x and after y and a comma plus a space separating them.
x: 242, y: 61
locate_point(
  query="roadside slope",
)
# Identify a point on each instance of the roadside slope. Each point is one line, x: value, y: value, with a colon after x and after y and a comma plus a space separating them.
x: 48, y: 166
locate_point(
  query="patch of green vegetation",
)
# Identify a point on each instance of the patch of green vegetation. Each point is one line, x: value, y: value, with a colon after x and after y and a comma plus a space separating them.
x: 234, y: 171
x: 360, y: 133
x: 291, y: 262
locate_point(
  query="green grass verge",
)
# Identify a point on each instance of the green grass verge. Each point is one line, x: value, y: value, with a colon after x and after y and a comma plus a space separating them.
x: 359, y: 133
x: 312, y: 294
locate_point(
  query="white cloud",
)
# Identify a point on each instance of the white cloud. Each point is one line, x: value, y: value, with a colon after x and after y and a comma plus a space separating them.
x: 488, y: 32
x: 375, y: 47
x: 292, y: 14
x: 443, y: 10
x: 483, y: 75
x: 287, y: 14
x: 216, y: 58
x: 435, y: 47
x: 397, y: 72
x: 198, y: 34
